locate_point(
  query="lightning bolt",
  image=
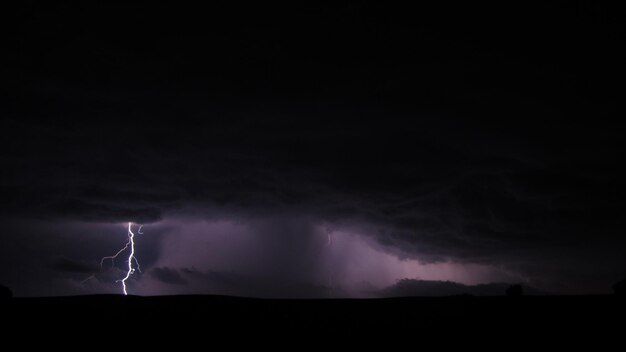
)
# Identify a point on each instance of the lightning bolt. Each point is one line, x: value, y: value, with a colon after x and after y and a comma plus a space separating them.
x: 131, y: 243
x: 132, y: 259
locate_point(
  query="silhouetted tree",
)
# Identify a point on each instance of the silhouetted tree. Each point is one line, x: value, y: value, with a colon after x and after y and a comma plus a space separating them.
x: 5, y: 292
x: 620, y: 288
x: 515, y: 291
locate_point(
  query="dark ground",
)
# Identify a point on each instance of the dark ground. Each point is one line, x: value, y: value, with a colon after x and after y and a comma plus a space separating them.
x: 447, y: 321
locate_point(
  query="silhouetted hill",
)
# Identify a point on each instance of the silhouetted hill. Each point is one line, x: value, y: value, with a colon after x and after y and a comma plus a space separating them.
x: 620, y: 288
x: 515, y: 291
x: 209, y: 321
x: 416, y: 288
x: 5, y: 292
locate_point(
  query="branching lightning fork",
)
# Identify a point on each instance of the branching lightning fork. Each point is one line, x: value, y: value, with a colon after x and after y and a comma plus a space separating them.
x: 132, y: 259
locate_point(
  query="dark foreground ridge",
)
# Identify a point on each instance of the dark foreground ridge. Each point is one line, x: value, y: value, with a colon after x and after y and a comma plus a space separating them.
x: 231, y: 318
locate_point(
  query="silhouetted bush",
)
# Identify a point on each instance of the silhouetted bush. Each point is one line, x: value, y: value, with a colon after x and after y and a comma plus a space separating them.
x: 5, y: 292
x: 515, y: 291
x: 620, y: 288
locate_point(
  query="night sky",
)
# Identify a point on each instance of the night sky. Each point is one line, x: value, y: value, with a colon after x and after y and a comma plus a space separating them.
x: 311, y: 151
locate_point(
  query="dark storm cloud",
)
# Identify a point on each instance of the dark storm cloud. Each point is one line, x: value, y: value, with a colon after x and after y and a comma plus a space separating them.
x: 459, y: 141
x: 213, y: 277
x: 255, y: 285
x: 168, y: 276
x: 67, y: 265
x: 82, y: 210
x: 426, y: 197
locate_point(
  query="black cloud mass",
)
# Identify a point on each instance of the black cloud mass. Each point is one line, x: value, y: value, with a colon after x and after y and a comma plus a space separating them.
x: 446, y: 133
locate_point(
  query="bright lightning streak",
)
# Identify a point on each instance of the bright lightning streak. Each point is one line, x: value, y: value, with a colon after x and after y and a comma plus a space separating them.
x: 131, y: 257
x: 112, y: 257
